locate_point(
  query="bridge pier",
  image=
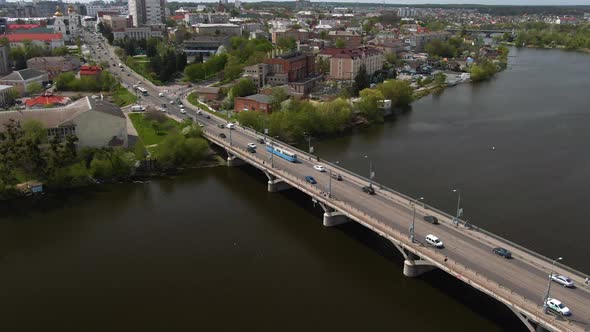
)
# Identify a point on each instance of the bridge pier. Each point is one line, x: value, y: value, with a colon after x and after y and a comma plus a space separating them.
x: 233, y: 161
x: 275, y: 184
x: 333, y: 217
x: 415, y: 268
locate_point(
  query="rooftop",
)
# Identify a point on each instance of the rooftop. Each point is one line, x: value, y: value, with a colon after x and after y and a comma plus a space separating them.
x: 47, y: 99
x: 23, y: 75
x: 266, y: 99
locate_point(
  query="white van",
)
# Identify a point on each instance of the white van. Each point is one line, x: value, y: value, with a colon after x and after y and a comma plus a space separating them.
x: 230, y: 126
x: 161, y: 94
x: 137, y: 108
x: 434, y: 241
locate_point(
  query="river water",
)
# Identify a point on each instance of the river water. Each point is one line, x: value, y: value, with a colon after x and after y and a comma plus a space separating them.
x: 211, y: 249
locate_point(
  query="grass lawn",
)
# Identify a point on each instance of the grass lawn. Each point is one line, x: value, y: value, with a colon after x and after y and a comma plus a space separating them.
x: 146, y: 130
x: 122, y: 97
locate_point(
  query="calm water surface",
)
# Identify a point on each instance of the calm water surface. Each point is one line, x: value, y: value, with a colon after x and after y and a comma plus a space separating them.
x: 212, y: 249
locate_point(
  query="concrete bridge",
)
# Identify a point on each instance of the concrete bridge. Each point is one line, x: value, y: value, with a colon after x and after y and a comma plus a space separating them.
x: 520, y: 283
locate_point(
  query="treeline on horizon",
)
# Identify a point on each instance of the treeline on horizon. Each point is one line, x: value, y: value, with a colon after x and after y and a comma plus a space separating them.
x: 498, y: 10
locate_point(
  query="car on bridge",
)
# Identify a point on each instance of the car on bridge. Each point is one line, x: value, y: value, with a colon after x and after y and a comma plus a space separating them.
x: 310, y: 179
x: 337, y: 176
x: 369, y: 190
x: 319, y: 168
x: 556, y: 305
x: 434, y: 241
x: 182, y: 111
x: 562, y: 280
x: 252, y: 145
x: 199, y: 112
x: 431, y: 219
x: 502, y: 252
x: 221, y: 126
x: 222, y: 135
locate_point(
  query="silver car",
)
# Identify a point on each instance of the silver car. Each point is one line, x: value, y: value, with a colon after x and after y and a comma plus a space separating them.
x: 562, y: 280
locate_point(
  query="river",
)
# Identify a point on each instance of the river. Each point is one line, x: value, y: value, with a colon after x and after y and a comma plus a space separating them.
x: 211, y: 249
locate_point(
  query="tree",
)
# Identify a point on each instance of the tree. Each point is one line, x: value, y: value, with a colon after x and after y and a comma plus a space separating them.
x: 361, y: 80
x: 440, y: 78
x: 323, y: 65
x: 391, y: 57
x: 34, y: 88
x: 399, y: 92
x: 287, y: 43
x: 244, y: 87
x: 278, y: 95
x: 62, y: 50
x: 340, y: 43
x: 369, y: 103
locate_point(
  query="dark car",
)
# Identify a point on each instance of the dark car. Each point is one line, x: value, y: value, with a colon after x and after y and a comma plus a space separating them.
x: 310, y: 179
x: 222, y: 135
x: 431, y: 219
x: 502, y: 252
x: 207, y: 116
x: 251, y: 149
x: 337, y: 176
x: 260, y: 140
x: 221, y: 126
x: 369, y: 190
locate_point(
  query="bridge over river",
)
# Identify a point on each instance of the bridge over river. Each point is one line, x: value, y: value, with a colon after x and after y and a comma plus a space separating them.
x: 520, y: 283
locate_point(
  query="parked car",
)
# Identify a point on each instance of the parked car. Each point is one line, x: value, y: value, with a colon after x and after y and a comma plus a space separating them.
x: 319, y: 168
x: 562, y: 280
x: 310, y: 179
x: 556, y: 305
x: 502, y: 252
x: 369, y: 190
x: 222, y: 135
x: 336, y: 176
x: 434, y: 241
x: 431, y: 219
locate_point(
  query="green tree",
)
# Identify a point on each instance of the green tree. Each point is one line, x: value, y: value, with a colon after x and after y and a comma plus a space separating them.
x: 287, y: 43
x: 361, y: 80
x: 340, y: 43
x: 278, y: 95
x: 399, y: 92
x: 34, y: 88
x: 369, y: 103
x: 244, y: 87
x: 440, y: 78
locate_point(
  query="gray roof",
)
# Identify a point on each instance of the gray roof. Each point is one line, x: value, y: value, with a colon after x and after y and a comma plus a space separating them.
x: 23, y: 74
x: 207, y: 89
x: 260, y: 98
x: 60, y: 116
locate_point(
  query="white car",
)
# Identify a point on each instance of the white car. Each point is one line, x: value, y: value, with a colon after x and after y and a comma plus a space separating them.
x: 182, y: 111
x: 434, y: 241
x: 252, y: 145
x: 230, y: 126
x: 172, y: 102
x: 558, y: 306
x: 199, y: 112
x: 201, y: 125
x: 562, y: 280
x: 161, y: 94
x: 319, y: 168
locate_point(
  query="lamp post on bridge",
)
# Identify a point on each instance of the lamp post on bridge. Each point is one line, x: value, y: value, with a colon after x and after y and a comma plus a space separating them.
x: 549, y: 284
x: 459, y: 209
x: 330, y: 179
x: 414, y: 219
x: 272, y: 152
x: 371, y: 172
x: 309, y: 147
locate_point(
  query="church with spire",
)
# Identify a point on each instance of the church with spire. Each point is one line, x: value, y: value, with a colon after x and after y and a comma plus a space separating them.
x: 68, y: 25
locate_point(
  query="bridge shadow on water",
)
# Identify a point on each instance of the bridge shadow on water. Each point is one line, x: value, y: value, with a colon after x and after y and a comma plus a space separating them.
x: 472, y: 299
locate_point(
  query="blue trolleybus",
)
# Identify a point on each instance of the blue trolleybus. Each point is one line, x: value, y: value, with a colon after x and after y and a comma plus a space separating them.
x: 283, y: 153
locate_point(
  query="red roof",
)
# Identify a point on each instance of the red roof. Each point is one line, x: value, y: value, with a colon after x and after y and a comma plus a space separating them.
x: 23, y: 26
x: 90, y: 70
x: 47, y: 99
x: 20, y: 37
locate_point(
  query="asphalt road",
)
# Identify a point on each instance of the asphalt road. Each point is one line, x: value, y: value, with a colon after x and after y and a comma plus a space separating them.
x: 525, y: 275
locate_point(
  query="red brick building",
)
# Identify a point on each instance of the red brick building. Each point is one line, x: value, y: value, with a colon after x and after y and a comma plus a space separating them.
x: 294, y: 65
x: 257, y: 102
x: 90, y: 70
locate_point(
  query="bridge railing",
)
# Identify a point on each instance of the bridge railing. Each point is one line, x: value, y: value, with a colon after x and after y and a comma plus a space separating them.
x: 532, y: 308
x: 404, y: 199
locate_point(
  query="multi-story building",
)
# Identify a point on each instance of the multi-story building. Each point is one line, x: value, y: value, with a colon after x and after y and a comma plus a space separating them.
x: 137, y: 33
x: 116, y: 22
x: 196, y: 18
x: 406, y: 12
x: 300, y: 35
x: 351, y: 39
x: 345, y: 63
x: 92, y: 10
x: 227, y: 29
x: 420, y: 40
x: 147, y: 12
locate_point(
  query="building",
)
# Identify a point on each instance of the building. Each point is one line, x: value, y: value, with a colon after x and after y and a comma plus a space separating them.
x: 210, y: 18
x: 419, y: 41
x: 352, y: 39
x: 46, y: 40
x: 257, y: 102
x: 282, y: 69
x: 116, y: 22
x: 138, y: 33
x: 92, y: 10
x: 88, y: 71
x: 96, y: 123
x: 204, y: 45
x: 300, y: 35
x: 406, y: 12
x: 345, y: 63
x: 47, y: 100
x: 147, y: 12
x: 5, y: 95
x: 208, y: 93
x: 21, y: 80
x: 54, y: 65
x: 226, y: 29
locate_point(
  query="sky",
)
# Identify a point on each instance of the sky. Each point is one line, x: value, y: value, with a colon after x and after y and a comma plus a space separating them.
x: 481, y: 2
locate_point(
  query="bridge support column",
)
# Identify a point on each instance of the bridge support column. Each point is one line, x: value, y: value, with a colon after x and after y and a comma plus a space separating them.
x: 275, y: 184
x: 333, y: 217
x: 526, y: 322
x: 415, y: 268
x: 233, y: 161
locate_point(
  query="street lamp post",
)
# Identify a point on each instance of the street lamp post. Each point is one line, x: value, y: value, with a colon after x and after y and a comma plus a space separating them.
x: 549, y: 284
x: 230, y: 142
x: 414, y: 220
x: 330, y: 180
x: 371, y: 173
x: 458, y: 191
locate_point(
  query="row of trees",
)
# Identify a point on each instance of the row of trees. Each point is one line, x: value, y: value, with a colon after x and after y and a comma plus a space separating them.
x: 229, y: 65
x: 446, y: 49
x: 550, y: 35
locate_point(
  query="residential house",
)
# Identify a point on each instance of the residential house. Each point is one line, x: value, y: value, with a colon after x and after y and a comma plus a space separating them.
x: 257, y: 102
x: 96, y: 123
x: 208, y: 93
x: 21, y: 80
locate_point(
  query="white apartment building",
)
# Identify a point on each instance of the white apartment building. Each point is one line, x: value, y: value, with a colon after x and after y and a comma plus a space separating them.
x: 147, y: 12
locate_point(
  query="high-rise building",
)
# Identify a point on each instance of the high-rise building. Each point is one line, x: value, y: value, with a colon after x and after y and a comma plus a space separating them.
x: 237, y: 4
x: 147, y: 12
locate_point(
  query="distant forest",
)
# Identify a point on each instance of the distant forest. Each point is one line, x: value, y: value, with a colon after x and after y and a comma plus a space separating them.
x: 492, y: 10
